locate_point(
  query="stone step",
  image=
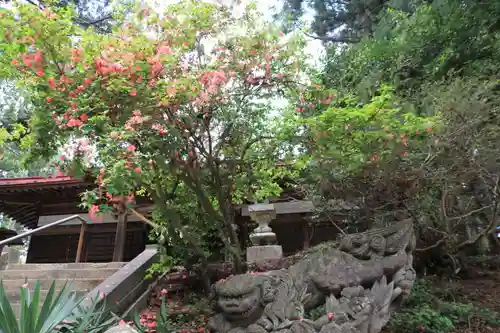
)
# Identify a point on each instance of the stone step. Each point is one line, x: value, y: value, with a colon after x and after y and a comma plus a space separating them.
x: 77, y: 284
x: 57, y: 274
x: 111, y: 265
x: 14, y: 296
x: 81, y: 277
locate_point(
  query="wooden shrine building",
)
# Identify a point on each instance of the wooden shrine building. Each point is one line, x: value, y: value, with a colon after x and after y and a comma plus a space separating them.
x: 36, y: 201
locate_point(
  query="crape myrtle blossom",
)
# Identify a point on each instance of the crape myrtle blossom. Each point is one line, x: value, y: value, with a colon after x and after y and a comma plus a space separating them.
x: 180, y: 96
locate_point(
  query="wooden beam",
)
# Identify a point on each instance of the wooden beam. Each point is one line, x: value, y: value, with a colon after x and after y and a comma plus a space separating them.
x: 24, y: 209
x: 121, y: 235
x: 17, y: 203
x: 81, y: 241
x: 91, y: 228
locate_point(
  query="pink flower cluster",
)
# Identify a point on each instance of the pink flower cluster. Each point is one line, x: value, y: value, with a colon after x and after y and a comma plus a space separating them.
x: 213, y: 80
x: 133, y: 121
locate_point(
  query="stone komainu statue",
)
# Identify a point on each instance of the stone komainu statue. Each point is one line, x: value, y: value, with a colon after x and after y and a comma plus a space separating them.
x: 360, y: 283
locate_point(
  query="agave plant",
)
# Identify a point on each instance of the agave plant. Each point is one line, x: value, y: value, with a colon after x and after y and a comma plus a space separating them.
x: 95, y: 318
x: 35, y: 316
x: 61, y: 312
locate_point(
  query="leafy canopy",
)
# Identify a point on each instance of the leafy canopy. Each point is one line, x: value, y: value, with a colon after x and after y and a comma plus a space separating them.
x: 167, y: 104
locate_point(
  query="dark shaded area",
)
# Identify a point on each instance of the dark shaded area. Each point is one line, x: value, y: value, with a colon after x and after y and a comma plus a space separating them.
x: 344, y: 21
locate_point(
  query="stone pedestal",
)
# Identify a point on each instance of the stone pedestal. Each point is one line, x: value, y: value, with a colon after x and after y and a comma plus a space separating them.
x: 264, y: 257
x: 264, y: 253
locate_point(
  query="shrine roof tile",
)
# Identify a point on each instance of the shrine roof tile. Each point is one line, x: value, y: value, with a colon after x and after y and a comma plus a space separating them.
x: 27, y: 182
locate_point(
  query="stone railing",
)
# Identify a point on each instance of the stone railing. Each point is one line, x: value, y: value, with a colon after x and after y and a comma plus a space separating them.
x: 9, y: 255
x: 125, y: 287
x: 4, y: 260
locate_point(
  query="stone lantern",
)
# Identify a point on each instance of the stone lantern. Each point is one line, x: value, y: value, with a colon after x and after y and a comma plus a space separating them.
x: 263, y: 238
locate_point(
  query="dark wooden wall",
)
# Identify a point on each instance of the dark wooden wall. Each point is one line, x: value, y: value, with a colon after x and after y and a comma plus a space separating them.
x: 59, y: 244
x: 294, y: 232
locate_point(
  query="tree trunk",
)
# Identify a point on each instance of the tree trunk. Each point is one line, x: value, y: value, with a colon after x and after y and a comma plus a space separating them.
x: 226, y: 222
x: 205, y: 277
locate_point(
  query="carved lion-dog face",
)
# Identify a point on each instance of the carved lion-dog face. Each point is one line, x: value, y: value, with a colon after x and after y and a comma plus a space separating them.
x: 241, y: 295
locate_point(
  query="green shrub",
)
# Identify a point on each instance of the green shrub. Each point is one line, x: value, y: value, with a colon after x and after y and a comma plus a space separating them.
x: 429, y: 309
x: 420, y: 319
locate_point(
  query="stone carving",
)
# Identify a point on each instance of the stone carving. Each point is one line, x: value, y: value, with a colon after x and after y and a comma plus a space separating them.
x: 359, y: 283
x: 380, y: 242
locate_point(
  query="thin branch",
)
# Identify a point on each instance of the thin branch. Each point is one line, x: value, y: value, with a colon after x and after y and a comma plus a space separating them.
x: 333, y: 39
x: 439, y: 243
x: 469, y: 213
x: 144, y: 218
x: 89, y: 23
x: 251, y: 142
x: 336, y: 226
x: 38, y: 5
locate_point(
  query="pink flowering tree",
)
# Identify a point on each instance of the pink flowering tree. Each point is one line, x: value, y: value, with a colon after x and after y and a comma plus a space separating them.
x: 175, y: 106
